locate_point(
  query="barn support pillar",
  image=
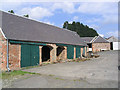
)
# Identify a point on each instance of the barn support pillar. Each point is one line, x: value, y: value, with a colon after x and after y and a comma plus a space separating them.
x: 53, y: 52
x: 74, y: 52
x: 65, y: 52
x: 40, y: 53
x: 81, y: 52
x: 85, y: 51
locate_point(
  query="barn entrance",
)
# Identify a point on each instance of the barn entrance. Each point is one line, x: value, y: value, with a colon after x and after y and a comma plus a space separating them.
x: 29, y: 55
x: 111, y: 45
x: 45, y: 53
x: 60, y: 53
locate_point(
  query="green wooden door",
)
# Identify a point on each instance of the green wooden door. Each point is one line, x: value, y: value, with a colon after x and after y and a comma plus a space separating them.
x: 34, y: 55
x: 70, y: 52
x: 29, y: 55
x: 25, y: 55
x: 78, y: 52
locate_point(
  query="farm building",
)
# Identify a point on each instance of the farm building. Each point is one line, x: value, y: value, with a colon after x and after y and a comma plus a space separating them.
x: 25, y: 42
x: 96, y: 43
x: 114, y: 43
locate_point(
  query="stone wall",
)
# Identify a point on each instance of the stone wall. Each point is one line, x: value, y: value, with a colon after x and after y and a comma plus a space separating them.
x: 96, y: 47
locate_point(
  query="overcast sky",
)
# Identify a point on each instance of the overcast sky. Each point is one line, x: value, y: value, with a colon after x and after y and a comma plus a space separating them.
x: 102, y: 16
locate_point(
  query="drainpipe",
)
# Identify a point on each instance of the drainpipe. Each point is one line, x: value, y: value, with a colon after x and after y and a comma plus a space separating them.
x: 8, y: 55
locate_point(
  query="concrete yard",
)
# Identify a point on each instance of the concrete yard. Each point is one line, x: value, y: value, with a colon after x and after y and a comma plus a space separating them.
x: 101, y: 72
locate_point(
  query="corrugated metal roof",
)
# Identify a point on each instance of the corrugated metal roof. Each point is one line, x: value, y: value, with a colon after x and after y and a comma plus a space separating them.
x: 19, y: 28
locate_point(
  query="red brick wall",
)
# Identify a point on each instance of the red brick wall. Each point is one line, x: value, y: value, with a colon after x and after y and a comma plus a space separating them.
x: 14, y: 56
x: 3, y: 52
x: 96, y: 47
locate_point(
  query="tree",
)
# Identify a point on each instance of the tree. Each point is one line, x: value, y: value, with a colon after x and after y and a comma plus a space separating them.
x: 81, y: 29
x: 26, y: 15
x: 65, y: 25
x: 11, y: 11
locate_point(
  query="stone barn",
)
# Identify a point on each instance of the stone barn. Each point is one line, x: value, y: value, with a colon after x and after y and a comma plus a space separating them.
x: 25, y: 42
x: 96, y: 43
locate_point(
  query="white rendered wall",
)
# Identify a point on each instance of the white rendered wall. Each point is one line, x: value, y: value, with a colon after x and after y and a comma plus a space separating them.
x: 116, y: 45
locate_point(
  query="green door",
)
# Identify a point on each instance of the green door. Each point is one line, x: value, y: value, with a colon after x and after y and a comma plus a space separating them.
x: 25, y: 55
x: 70, y: 52
x: 78, y: 52
x: 34, y: 55
x: 29, y: 55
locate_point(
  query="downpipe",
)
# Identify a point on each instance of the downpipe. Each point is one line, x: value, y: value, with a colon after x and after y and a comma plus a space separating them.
x: 8, y: 56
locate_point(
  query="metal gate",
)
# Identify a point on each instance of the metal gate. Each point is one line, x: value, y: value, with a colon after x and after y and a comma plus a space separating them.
x: 29, y: 55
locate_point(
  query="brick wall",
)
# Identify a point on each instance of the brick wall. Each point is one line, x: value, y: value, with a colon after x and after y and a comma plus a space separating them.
x: 96, y: 47
x: 14, y: 56
x: 3, y: 52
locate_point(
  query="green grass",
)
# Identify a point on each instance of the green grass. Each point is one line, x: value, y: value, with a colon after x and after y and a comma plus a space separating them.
x: 30, y: 67
x: 59, y: 78
x: 7, y: 75
x: 51, y: 75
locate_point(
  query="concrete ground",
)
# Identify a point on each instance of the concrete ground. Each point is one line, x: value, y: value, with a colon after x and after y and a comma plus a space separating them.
x: 99, y: 72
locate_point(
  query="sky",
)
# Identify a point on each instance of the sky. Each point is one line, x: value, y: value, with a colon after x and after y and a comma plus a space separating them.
x: 102, y: 16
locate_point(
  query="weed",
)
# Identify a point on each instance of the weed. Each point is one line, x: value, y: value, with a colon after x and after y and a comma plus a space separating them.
x: 8, y: 75
x: 51, y: 75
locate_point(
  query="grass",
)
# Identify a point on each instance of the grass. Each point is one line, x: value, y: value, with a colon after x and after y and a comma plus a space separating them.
x: 59, y: 78
x: 30, y: 67
x: 51, y: 75
x: 8, y: 75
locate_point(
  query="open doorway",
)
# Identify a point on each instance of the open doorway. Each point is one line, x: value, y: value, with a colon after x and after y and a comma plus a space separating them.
x: 111, y: 45
x: 45, y: 53
x: 60, y: 52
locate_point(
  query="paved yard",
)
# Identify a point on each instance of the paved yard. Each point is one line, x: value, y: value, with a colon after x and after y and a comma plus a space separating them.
x: 101, y: 72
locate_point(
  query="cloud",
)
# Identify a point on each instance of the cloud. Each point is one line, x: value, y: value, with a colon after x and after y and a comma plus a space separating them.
x: 48, y: 22
x: 75, y: 18
x: 93, y: 20
x: 36, y: 12
x: 106, y: 10
x: 100, y: 8
x: 94, y: 26
x: 64, y: 6
x: 112, y: 33
x: 9, y: 4
x: 110, y: 19
x: 101, y: 35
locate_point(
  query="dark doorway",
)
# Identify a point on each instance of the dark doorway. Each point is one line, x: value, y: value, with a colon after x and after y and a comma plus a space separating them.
x: 59, y: 50
x: 45, y: 53
x: 111, y: 45
x: 89, y: 45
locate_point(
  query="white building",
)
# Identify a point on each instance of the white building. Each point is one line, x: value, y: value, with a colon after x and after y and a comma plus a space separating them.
x: 114, y: 43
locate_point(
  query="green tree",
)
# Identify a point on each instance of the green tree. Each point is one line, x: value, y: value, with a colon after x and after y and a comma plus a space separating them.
x: 26, y: 15
x: 81, y: 29
x: 11, y: 11
x: 65, y: 25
